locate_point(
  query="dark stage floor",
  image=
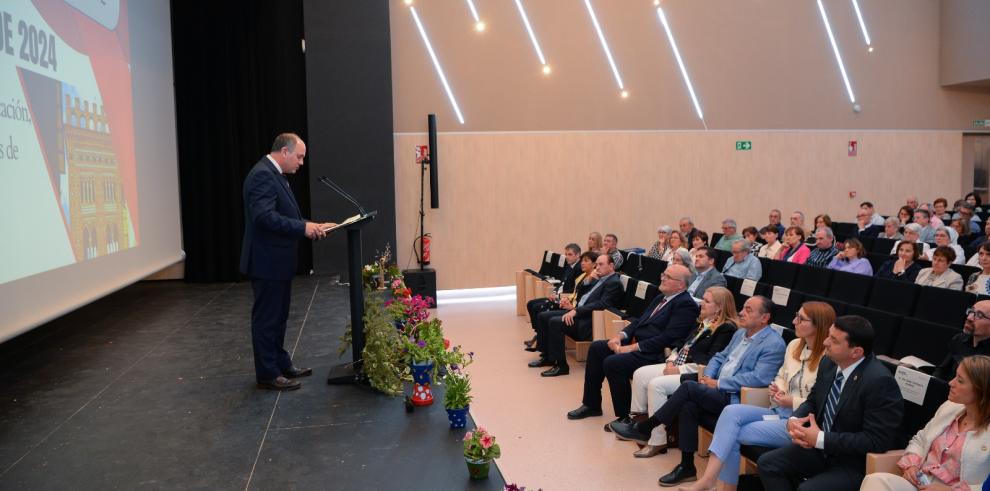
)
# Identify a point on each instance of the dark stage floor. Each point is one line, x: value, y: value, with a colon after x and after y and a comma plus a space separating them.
x: 153, y: 388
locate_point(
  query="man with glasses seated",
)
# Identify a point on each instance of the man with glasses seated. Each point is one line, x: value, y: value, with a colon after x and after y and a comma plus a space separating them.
x: 743, y: 264
x: 974, y: 340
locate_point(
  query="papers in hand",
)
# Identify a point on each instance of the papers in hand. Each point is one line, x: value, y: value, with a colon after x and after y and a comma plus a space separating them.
x: 344, y: 223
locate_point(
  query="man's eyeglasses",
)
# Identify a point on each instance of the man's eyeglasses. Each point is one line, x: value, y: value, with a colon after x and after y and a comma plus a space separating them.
x: 976, y: 314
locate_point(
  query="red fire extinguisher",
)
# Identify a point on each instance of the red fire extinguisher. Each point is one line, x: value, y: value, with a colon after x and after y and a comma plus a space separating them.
x: 424, y: 241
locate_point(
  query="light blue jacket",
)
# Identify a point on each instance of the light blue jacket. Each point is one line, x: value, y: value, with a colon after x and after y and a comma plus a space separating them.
x: 750, y: 268
x: 759, y: 364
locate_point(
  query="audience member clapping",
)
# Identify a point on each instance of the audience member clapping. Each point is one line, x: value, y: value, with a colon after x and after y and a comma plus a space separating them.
x: 905, y: 267
x: 939, y: 275
x: 950, y: 452
x: 852, y: 259
x: 653, y: 384
x: 743, y: 424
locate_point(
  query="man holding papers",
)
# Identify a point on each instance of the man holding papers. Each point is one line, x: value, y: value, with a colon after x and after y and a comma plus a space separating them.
x: 273, y: 225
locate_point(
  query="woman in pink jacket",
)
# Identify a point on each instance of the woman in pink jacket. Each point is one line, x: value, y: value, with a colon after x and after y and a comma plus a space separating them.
x: 794, y: 250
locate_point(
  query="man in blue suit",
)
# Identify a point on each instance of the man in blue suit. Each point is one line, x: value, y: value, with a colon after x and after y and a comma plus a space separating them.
x: 273, y: 226
x: 668, y: 319
x: 751, y: 360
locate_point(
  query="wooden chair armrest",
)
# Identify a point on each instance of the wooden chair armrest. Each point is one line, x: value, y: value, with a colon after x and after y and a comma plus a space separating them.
x: 614, y: 327
x: 884, y: 462
x: 755, y: 396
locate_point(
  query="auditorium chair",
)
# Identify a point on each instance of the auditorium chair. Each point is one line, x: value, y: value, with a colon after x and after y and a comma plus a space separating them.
x: 839, y: 307
x: 925, y: 340
x: 882, y: 246
x: 783, y: 314
x: 943, y: 306
x: 781, y: 273
x: 845, y: 229
x: 812, y: 280
x: 896, y: 297
x: 714, y: 240
x: 885, y: 325
x: 601, y: 318
x: 877, y: 259
x: 850, y: 288
x: 652, y: 269
x: 965, y: 271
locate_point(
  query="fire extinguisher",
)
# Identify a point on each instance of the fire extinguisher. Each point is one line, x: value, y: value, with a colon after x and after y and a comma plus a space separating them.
x: 424, y: 241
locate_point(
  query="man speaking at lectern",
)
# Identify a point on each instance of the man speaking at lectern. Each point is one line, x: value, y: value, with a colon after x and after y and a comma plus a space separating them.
x: 273, y: 226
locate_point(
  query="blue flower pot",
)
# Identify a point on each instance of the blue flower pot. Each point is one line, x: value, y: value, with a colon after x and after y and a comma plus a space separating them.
x: 458, y: 417
x: 421, y: 372
x: 422, y: 393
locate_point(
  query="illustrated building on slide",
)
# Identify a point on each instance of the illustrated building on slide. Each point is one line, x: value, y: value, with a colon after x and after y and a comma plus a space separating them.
x: 97, y: 218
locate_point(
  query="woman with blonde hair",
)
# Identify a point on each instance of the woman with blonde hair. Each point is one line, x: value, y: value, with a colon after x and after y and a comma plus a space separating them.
x: 595, y: 243
x: 742, y: 424
x: 652, y: 384
x: 674, y: 244
x: 950, y: 452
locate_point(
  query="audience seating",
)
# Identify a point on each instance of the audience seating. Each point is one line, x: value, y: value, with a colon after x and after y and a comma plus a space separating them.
x: 845, y: 229
x: 721, y: 257
x: 877, y: 259
x: 840, y: 307
x: 896, y: 297
x: 813, y: 280
x: 943, y: 306
x: 850, y: 288
x: 885, y: 324
x: 714, y: 240
x: 882, y: 246
x: 781, y: 273
x: 965, y: 271
x: 922, y: 339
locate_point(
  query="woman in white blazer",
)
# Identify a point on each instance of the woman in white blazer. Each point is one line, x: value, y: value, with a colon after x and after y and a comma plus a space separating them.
x: 952, y: 452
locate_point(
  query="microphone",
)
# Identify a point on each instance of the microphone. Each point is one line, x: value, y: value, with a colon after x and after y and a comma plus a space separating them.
x: 332, y: 185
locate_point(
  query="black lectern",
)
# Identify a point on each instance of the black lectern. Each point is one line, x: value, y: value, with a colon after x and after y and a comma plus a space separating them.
x: 349, y: 373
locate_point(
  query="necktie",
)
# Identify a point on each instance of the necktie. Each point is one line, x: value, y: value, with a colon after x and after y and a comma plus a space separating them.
x: 833, y: 401
x: 664, y: 302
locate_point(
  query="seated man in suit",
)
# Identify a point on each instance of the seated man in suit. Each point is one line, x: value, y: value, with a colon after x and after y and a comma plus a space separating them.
x: 743, y: 264
x: 668, y: 319
x: 854, y: 407
x: 865, y: 228
x: 708, y: 274
x: 572, y: 268
x: 752, y: 359
x: 567, y: 302
x: 974, y: 340
x: 577, y: 323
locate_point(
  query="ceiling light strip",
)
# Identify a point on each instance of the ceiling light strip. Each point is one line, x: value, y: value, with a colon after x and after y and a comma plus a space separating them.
x: 835, y: 49
x: 436, y: 64
x: 529, y: 29
x: 680, y: 63
x: 862, y: 23
x: 601, y: 37
x: 474, y: 11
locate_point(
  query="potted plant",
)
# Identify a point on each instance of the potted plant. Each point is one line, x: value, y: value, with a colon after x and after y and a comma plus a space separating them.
x: 479, y: 450
x: 424, y: 344
x: 457, y: 397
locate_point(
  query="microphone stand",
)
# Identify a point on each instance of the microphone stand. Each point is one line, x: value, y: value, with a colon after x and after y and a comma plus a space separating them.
x: 332, y: 185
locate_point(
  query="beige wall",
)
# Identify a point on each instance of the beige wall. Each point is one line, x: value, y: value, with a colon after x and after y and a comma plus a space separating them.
x: 505, y: 197
x: 763, y: 64
x: 965, y: 42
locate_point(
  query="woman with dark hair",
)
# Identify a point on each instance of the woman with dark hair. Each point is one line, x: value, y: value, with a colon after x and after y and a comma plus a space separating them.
x: 742, y: 424
x: 794, y: 250
x: 950, y: 452
x: 905, y: 267
x: 700, y: 240
x: 939, y: 275
x: 979, y: 282
x: 905, y: 215
x: 974, y: 199
x: 822, y: 220
x: 772, y: 247
x: 852, y: 259
x: 751, y: 235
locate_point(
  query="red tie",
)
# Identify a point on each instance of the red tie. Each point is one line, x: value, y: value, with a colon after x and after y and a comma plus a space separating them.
x: 664, y: 302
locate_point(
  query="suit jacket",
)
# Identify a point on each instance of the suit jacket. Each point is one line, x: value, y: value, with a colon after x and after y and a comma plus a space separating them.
x: 870, y: 232
x: 708, y: 344
x: 974, y: 464
x: 867, y: 417
x: 607, y: 295
x: 668, y: 326
x: 273, y: 225
x: 712, y: 277
x: 758, y: 366
x: 567, y: 280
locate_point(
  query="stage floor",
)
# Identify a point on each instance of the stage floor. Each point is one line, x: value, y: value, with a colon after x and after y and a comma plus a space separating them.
x: 153, y: 387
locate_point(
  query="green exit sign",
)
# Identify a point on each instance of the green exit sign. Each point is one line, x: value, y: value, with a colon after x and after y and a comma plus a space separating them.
x: 981, y: 123
x: 744, y: 145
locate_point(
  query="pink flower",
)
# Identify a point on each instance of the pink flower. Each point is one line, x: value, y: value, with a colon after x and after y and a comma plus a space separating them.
x: 482, y: 430
x: 487, y: 441
x: 468, y: 436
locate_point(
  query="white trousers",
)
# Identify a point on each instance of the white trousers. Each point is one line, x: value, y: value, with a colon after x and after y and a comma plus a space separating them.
x: 650, y: 389
x: 882, y: 481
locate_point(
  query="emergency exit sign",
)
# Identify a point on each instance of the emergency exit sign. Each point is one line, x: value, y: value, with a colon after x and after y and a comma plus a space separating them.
x: 981, y: 123
x: 744, y: 145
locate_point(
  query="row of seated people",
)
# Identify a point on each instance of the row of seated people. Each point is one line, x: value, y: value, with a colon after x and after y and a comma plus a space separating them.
x: 670, y: 318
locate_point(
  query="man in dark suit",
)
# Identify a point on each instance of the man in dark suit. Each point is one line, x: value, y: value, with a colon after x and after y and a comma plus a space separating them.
x: 865, y: 228
x: 576, y: 323
x: 854, y: 407
x: 666, y: 321
x: 572, y: 268
x: 273, y: 225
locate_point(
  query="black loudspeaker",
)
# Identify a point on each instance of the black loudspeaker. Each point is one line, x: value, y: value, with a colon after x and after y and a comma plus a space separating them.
x: 431, y: 121
x: 421, y: 282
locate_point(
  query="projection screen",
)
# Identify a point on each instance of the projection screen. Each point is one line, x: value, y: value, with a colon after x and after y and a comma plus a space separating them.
x: 88, y: 168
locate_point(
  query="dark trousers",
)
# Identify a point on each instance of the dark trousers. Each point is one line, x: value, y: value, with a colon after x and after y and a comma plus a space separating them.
x: 553, y: 350
x: 537, y: 306
x: 268, y: 317
x: 692, y: 405
x: 618, y: 369
x: 784, y: 468
x: 542, y: 324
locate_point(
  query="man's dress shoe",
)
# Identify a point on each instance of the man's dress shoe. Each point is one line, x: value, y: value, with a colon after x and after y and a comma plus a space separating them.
x: 628, y: 431
x: 583, y: 412
x: 608, y: 426
x: 280, y: 383
x: 556, y: 371
x: 294, y: 372
x: 542, y: 362
x: 678, y: 475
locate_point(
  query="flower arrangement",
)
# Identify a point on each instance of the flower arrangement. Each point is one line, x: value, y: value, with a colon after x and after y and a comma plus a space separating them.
x: 410, y: 311
x: 424, y: 342
x: 458, y: 381
x: 480, y: 445
x: 381, y: 270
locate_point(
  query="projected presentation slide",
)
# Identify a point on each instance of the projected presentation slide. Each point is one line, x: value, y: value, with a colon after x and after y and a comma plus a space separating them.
x: 67, y: 166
